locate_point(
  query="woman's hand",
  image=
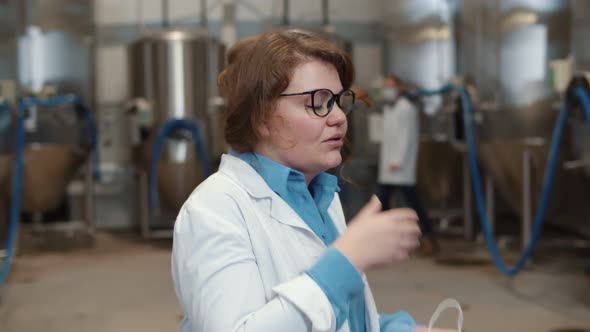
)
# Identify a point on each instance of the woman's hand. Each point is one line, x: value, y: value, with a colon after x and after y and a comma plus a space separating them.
x: 376, y: 237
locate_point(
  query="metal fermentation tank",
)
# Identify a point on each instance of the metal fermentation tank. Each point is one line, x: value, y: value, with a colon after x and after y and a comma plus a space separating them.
x: 48, y: 48
x: 420, y: 49
x: 581, y: 53
x: 505, y: 48
x: 174, y: 71
x: 56, y: 139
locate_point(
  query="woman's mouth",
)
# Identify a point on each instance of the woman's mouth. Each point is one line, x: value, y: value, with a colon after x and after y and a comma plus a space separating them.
x: 334, y: 141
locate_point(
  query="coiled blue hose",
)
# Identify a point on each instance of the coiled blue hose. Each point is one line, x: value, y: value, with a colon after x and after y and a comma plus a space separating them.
x: 18, y: 164
x: 79, y: 106
x: 12, y: 225
x: 164, y: 132
x: 477, y: 186
x: 584, y: 98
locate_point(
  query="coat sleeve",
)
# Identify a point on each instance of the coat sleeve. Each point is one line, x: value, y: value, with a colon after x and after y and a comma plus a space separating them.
x: 218, y: 282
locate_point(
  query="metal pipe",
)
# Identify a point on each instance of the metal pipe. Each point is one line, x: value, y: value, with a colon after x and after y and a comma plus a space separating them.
x: 286, y: 13
x: 203, y: 13
x: 479, y: 42
x: 498, y: 51
x: 526, y: 197
x: 139, y: 12
x: 229, y: 34
x: 37, y: 220
x: 89, y: 198
x: 325, y: 16
x: 165, y: 15
x: 23, y: 16
x: 467, y: 199
x: 144, y: 214
x: 490, y: 201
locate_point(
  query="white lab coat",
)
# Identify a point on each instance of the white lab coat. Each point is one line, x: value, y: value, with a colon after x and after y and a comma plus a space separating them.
x: 239, y: 257
x: 399, y: 144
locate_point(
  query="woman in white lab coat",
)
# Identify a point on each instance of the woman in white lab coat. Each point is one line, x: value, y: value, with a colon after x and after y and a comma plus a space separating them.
x: 399, y: 154
x: 262, y: 244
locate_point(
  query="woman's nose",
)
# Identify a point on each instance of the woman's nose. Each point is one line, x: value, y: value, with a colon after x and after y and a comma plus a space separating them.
x: 336, y: 116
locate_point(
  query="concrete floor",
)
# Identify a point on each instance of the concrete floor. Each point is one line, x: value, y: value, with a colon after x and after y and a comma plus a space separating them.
x: 124, y: 285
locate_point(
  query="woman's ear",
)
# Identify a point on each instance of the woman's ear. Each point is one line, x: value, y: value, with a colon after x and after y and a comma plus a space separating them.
x: 263, y: 130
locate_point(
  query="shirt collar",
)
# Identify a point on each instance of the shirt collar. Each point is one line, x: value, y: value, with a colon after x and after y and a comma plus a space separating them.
x: 282, y: 179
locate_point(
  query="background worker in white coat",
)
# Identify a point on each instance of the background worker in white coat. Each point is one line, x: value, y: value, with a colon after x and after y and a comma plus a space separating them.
x: 399, y: 155
x: 262, y: 244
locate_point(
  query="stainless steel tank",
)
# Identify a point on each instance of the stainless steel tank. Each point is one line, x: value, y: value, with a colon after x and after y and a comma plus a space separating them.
x: 505, y: 47
x: 420, y: 49
x: 48, y: 169
x: 175, y: 71
x: 54, y: 150
x: 55, y: 146
x: 581, y: 52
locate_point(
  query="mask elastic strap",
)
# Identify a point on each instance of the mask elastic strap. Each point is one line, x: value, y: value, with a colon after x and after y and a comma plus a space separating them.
x: 446, y: 304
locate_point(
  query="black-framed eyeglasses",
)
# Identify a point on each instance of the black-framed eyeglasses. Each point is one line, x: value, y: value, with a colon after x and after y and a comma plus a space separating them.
x: 322, y: 100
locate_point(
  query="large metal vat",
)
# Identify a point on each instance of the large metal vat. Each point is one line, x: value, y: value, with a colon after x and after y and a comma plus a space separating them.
x: 55, y: 148
x: 505, y: 48
x: 175, y: 71
x: 580, y: 44
x: 59, y: 56
x: 45, y: 187
x: 420, y: 49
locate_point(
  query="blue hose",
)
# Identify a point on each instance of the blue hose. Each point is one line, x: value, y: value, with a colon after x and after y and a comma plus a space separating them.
x: 477, y: 186
x: 79, y: 106
x: 164, y: 132
x: 18, y: 165
x: 16, y: 196
x: 584, y: 97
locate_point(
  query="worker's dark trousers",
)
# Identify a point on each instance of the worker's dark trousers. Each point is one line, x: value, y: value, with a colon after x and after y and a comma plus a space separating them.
x: 410, y: 197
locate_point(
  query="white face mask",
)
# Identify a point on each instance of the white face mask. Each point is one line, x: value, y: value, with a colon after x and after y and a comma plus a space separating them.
x: 389, y: 94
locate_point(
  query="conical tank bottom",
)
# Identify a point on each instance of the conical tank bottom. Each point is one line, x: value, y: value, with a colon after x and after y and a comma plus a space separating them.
x: 48, y: 168
x: 176, y: 181
x: 179, y: 171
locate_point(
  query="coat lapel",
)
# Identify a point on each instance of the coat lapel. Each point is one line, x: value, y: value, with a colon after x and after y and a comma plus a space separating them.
x: 269, y: 202
x: 254, y: 184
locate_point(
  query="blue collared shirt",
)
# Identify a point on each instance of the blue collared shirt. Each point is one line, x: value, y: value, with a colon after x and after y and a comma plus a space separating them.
x: 339, y: 280
x: 335, y: 275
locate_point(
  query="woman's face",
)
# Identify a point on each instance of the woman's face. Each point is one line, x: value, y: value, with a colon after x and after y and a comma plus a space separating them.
x: 295, y: 136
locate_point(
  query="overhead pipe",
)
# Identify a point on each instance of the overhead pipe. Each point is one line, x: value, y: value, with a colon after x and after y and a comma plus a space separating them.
x: 286, y: 13
x: 229, y: 34
x: 165, y: 14
x: 203, y: 14
x: 325, y: 15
